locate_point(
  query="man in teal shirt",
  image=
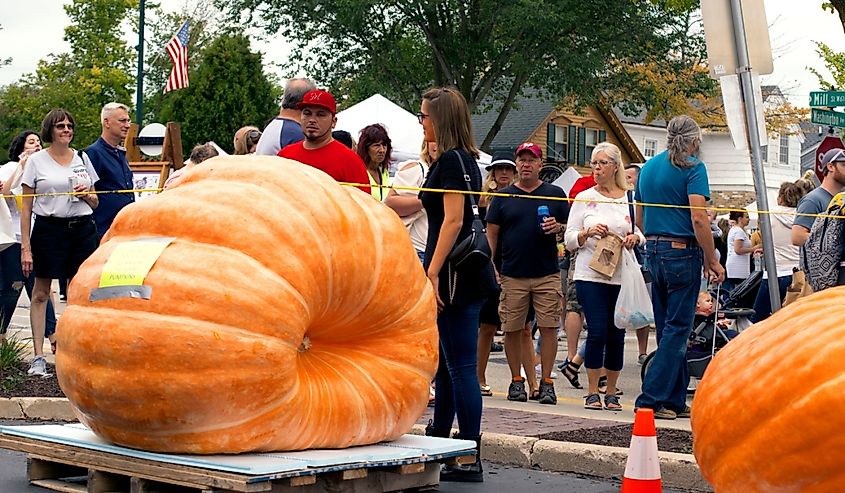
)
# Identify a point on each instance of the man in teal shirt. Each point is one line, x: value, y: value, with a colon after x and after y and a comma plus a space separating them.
x: 678, y: 244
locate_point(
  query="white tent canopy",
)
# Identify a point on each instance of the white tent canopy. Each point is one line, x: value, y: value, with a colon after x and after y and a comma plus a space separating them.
x: 406, y: 133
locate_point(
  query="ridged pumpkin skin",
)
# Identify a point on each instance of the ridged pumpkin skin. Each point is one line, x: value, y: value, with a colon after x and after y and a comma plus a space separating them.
x: 768, y: 415
x: 289, y: 313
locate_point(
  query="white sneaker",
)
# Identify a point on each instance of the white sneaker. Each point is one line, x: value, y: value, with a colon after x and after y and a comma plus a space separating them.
x: 538, y: 369
x: 38, y: 367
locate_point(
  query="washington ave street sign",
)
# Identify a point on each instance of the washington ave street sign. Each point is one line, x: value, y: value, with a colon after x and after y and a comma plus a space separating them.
x: 825, y: 117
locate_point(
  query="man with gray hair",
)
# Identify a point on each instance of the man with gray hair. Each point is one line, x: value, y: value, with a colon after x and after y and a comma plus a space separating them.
x: 285, y: 129
x: 108, y: 157
x: 678, y: 245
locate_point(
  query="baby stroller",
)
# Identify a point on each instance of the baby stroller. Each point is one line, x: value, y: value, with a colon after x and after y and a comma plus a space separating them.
x: 707, y: 337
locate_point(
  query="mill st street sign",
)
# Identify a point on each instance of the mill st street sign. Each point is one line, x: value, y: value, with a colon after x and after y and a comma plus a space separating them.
x: 827, y: 99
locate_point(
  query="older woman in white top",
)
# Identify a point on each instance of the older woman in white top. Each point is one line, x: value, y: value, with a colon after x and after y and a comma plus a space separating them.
x: 600, y: 211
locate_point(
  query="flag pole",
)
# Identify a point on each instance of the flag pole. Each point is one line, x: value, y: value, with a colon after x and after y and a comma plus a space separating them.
x: 139, y: 90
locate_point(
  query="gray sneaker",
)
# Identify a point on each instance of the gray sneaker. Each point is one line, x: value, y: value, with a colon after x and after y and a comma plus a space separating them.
x: 641, y: 359
x: 516, y: 392
x: 38, y: 367
x: 547, y: 393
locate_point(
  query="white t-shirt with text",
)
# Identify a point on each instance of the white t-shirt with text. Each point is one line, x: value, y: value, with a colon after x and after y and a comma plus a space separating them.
x: 412, y: 174
x: 44, y: 175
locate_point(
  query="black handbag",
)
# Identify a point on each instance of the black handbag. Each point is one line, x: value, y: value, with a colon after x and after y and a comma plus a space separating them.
x: 472, y: 252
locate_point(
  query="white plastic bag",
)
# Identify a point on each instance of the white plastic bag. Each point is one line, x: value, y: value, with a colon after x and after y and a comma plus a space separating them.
x: 633, y: 307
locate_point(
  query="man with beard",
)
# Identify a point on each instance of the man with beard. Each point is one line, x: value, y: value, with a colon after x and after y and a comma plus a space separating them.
x: 108, y: 157
x: 320, y: 149
x: 817, y: 201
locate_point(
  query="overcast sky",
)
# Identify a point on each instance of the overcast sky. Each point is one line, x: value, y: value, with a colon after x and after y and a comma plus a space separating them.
x: 34, y: 28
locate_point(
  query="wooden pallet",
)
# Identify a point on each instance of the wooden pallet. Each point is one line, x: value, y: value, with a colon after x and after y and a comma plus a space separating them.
x: 74, y: 469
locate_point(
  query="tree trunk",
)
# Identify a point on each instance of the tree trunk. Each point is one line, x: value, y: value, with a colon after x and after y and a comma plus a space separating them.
x: 503, y: 113
x: 839, y: 5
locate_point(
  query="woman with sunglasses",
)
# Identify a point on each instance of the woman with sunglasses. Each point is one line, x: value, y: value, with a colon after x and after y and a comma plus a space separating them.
x: 600, y: 211
x: 64, y: 234
x: 445, y: 118
x: 246, y: 140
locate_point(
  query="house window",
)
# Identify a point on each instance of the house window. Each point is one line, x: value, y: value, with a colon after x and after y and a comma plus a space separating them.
x: 649, y: 148
x: 561, y: 143
x: 591, y: 138
x: 764, y: 152
x: 784, y: 149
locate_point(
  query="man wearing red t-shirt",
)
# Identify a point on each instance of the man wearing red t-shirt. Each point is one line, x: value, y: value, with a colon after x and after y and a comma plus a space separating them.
x: 319, y: 149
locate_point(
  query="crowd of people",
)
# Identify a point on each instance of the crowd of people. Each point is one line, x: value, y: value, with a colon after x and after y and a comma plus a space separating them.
x: 541, y: 274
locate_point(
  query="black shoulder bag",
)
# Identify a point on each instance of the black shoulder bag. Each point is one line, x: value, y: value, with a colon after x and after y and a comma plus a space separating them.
x: 472, y: 252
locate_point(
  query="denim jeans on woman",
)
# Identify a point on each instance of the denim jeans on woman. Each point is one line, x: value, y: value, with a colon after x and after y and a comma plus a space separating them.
x: 763, y: 304
x: 10, y: 275
x: 605, y: 342
x: 676, y: 274
x: 456, y: 382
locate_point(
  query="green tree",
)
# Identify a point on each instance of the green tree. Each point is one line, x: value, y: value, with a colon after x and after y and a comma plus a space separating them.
x: 97, y: 70
x: 228, y: 90
x: 492, y: 51
x: 834, y: 62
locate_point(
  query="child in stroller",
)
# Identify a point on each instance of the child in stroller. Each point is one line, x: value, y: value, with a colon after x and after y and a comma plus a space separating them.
x: 701, y: 344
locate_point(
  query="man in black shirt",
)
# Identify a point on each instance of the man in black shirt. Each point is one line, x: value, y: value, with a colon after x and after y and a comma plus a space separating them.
x: 530, y: 272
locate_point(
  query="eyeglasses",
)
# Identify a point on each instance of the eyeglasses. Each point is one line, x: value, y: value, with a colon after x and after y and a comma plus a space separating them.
x: 600, y: 163
x: 63, y: 126
x: 124, y: 121
x: 421, y: 117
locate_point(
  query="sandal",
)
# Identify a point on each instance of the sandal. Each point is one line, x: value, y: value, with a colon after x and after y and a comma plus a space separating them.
x: 486, y: 391
x: 593, y: 402
x: 611, y: 403
x: 535, y: 395
x: 570, y: 372
x: 603, y: 387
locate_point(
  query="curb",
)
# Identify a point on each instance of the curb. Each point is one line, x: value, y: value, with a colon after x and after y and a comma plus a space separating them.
x: 678, y: 471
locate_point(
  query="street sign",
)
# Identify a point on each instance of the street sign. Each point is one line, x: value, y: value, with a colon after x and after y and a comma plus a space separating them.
x: 825, y: 117
x: 827, y: 98
x: 721, y: 43
x: 828, y: 143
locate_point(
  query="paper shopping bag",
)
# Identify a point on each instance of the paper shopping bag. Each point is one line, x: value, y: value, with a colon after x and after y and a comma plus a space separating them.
x: 606, y: 258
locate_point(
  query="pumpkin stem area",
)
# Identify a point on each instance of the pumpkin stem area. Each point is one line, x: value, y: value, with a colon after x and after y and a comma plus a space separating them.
x: 306, y: 344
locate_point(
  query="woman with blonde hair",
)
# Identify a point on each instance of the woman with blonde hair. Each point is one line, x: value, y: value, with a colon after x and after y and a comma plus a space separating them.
x: 246, y: 140
x: 600, y: 211
x: 444, y: 115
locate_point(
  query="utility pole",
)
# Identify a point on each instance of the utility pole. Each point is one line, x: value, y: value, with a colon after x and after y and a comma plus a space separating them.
x: 139, y: 96
x: 764, y: 220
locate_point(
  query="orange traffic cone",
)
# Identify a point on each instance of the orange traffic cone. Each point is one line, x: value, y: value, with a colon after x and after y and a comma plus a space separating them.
x: 642, y: 473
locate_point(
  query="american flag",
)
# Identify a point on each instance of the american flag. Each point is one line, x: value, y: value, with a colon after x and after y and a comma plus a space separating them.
x: 177, y: 48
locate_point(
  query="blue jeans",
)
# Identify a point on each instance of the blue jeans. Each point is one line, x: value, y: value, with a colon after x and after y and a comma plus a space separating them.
x: 763, y: 305
x: 676, y: 274
x: 421, y: 255
x: 10, y: 274
x: 605, y: 341
x: 456, y: 381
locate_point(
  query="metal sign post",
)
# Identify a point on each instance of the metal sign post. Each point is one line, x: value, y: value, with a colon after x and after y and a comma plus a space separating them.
x: 744, y: 71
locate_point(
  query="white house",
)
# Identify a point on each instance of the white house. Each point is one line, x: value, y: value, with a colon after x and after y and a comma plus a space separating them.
x: 729, y: 170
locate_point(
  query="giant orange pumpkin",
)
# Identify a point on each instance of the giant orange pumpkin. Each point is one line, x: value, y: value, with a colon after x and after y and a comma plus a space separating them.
x: 768, y: 415
x: 289, y: 313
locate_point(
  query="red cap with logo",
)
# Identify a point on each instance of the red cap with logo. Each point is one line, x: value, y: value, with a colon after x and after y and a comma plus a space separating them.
x: 531, y: 147
x: 318, y: 97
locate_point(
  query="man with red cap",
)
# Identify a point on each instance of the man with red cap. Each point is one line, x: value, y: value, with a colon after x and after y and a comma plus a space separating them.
x: 319, y: 149
x: 525, y: 228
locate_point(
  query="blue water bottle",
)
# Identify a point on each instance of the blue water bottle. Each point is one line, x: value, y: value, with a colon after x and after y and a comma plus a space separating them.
x: 542, y: 214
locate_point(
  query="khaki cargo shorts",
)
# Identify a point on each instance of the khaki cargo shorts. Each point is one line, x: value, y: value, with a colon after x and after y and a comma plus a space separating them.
x: 518, y: 294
